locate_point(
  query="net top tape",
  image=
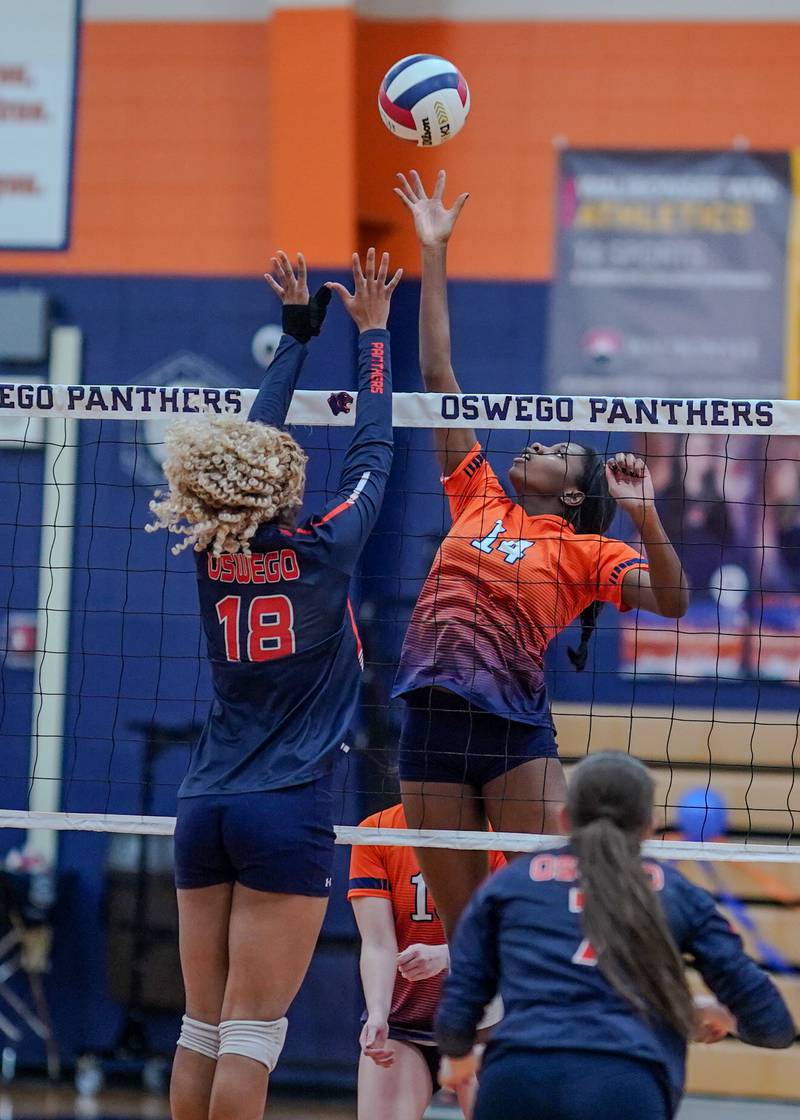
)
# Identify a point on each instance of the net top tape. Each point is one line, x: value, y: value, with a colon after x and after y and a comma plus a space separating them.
x: 413, y: 410
x: 418, y: 838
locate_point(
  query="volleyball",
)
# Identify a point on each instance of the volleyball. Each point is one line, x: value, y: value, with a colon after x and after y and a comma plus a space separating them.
x: 425, y: 99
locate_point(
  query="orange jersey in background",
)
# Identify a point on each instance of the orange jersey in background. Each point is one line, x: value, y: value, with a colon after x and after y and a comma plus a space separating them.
x: 393, y: 872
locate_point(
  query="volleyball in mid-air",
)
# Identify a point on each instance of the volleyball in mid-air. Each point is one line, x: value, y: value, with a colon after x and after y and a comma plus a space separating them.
x: 425, y: 99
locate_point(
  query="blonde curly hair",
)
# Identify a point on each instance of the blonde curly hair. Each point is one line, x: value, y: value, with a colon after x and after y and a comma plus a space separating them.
x: 227, y: 476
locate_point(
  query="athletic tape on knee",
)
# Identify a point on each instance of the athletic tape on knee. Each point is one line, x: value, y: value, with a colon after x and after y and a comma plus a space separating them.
x: 203, y: 1038
x: 250, y: 1038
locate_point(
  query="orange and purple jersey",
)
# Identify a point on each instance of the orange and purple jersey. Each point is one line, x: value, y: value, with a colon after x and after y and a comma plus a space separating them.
x: 393, y: 873
x: 502, y: 586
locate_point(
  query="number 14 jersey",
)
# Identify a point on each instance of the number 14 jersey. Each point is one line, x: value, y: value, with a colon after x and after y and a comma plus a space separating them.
x: 502, y: 585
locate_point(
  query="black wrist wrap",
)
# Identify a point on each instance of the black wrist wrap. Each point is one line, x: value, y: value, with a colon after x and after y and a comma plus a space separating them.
x: 304, y: 320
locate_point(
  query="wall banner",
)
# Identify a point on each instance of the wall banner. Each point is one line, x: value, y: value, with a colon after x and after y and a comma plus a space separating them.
x: 670, y: 273
x: 38, y: 43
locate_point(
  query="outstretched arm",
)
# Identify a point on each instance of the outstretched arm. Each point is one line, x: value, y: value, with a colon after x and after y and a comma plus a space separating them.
x: 753, y: 1000
x: 663, y: 589
x: 473, y: 978
x: 302, y: 318
x: 434, y: 224
x: 349, y: 518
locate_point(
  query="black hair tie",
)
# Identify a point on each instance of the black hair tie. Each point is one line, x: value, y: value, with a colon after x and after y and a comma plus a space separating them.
x: 580, y: 656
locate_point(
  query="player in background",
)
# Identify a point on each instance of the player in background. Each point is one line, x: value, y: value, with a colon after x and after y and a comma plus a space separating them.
x: 254, y: 836
x: 586, y: 944
x: 478, y: 737
x: 404, y: 957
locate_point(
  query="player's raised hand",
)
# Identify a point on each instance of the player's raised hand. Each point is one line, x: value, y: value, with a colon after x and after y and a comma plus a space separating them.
x: 368, y: 304
x: 288, y: 287
x: 421, y: 962
x: 374, y: 1042
x: 630, y: 485
x: 433, y: 221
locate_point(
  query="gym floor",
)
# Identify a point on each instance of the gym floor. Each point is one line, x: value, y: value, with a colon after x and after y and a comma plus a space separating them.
x: 33, y: 1101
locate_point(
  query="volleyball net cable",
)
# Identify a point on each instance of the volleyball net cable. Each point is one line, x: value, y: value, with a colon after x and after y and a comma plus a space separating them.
x: 104, y: 679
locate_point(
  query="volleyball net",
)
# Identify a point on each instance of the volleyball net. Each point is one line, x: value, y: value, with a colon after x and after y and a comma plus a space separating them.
x: 104, y: 677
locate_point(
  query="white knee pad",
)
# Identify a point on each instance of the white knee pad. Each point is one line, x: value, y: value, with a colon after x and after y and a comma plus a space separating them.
x: 250, y: 1038
x: 203, y: 1038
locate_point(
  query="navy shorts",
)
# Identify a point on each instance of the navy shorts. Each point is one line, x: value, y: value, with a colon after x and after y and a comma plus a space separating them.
x: 279, y: 840
x: 570, y: 1085
x: 444, y: 738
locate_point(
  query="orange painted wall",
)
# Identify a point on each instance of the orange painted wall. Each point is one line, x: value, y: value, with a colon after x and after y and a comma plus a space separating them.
x: 312, y: 149
x: 199, y: 145
x: 605, y: 84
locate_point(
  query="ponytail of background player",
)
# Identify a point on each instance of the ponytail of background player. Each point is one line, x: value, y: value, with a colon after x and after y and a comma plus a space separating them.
x: 478, y: 737
x: 585, y: 945
x: 254, y: 837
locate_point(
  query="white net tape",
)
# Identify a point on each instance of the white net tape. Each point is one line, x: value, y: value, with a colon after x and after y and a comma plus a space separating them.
x: 418, y: 410
x: 411, y: 837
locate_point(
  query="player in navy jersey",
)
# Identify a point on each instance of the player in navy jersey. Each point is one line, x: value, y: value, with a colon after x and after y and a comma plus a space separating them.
x: 586, y: 946
x: 254, y: 837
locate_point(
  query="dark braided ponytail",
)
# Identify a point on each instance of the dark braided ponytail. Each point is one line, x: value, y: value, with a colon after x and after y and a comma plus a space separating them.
x: 593, y: 515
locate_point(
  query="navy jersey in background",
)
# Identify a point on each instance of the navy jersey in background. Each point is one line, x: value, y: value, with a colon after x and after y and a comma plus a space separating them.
x: 521, y: 935
x: 282, y: 641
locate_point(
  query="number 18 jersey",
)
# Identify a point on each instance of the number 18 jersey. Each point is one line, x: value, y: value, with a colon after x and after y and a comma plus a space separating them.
x: 283, y: 647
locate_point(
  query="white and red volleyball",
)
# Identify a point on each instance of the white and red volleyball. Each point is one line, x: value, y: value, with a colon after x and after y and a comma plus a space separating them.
x: 425, y: 99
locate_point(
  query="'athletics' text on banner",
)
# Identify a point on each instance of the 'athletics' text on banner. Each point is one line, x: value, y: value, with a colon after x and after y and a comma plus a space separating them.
x: 670, y: 273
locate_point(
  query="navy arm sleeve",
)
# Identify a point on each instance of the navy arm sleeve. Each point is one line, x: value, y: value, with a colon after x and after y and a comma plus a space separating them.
x: 348, y: 519
x: 473, y: 977
x: 762, y: 1017
x: 275, y: 395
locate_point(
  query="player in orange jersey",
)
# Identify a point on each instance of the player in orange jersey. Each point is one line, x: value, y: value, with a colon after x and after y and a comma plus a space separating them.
x: 404, y: 958
x: 478, y: 738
